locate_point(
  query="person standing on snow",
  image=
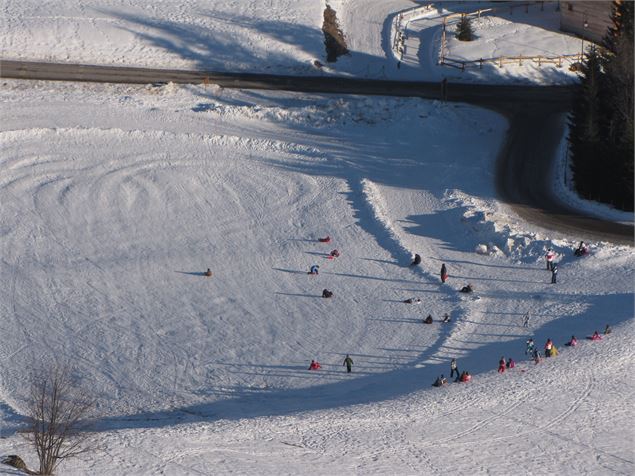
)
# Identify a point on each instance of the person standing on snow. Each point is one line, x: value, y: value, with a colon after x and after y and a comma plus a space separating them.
x: 548, y: 347
x: 554, y: 273
x: 510, y: 363
x: 550, y: 256
x: 349, y: 364
x: 530, y: 347
x: 444, y: 273
x: 453, y: 369
x: 501, y: 365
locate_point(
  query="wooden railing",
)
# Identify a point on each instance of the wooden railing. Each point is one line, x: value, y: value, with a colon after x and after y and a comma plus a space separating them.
x: 500, y: 61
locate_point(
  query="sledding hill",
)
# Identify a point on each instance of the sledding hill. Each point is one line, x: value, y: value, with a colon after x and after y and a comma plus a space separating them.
x: 116, y: 199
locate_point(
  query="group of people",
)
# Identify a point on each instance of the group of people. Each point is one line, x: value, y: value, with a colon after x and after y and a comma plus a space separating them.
x: 551, y: 350
x: 550, y: 257
x: 314, y: 270
x: 454, y: 370
x: 348, y: 362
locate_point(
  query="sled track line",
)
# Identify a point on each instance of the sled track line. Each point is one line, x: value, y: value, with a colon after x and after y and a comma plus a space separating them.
x: 476, y: 427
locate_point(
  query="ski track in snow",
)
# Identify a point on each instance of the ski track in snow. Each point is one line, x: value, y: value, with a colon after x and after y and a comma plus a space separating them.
x: 108, y: 221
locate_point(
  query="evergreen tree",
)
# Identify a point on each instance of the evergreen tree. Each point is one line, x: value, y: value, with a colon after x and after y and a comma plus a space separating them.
x: 601, y: 124
x: 464, y: 29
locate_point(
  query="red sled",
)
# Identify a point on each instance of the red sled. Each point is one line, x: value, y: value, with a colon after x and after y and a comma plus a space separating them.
x: 325, y: 240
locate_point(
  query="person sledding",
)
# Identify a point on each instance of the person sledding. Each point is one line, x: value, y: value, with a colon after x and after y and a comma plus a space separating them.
x: 207, y: 273
x: 582, y: 249
x: 510, y: 363
x: 467, y: 289
x: 334, y: 254
x: 315, y: 269
x: 465, y: 377
x: 446, y: 318
x: 428, y: 320
x: 416, y: 260
x: 554, y: 351
x: 315, y: 365
x: 596, y: 336
x: 502, y: 365
x: 327, y: 294
x: 440, y: 381
x: 573, y: 342
x: 444, y: 273
x: 412, y: 301
x: 326, y: 239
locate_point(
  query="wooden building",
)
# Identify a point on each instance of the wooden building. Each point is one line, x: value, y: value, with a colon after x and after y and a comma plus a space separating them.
x: 588, y: 19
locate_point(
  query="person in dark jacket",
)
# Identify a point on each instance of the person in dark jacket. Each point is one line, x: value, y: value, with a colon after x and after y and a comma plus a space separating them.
x: 428, y: 320
x: 454, y: 368
x: 444, y: 273
x: 467, y: 289
x: 327, y: 294
x: 554, y: 273
x: 416, y: 260
x: 349, y: 364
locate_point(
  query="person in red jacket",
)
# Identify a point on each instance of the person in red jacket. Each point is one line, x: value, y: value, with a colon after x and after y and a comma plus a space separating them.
x: 315, y: 365
x: 502, y: 365
x: 465, y: 377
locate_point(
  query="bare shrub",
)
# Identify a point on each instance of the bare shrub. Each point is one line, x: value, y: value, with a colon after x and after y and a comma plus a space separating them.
x: 57, y: 415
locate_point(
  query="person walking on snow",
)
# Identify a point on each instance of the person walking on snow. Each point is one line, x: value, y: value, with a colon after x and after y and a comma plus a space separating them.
x: 501, y: 365
x: 554, y: 273
x: 453, y: 369
x: 349, y: 364
x: 550, y: 256
x: 444, y: 273
x: 526, y: 320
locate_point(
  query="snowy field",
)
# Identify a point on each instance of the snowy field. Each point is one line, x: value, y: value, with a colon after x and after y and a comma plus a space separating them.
x: 115, y: 199
x: 283, y: 37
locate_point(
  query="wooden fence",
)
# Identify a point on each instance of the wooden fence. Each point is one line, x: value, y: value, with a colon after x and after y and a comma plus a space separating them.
x: 500, y: 61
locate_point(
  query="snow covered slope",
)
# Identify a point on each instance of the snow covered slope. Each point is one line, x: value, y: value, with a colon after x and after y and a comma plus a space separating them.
x: 115, y: 199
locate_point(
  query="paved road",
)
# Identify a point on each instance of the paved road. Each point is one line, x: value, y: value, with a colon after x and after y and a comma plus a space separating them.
x: 535, y: 115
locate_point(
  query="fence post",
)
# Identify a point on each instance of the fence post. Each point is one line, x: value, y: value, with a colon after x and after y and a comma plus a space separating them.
x: 480, y: 66
x: 539, y: 61
x: 520, y: 60
x: 559, y: 61
x: 500, y: 61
